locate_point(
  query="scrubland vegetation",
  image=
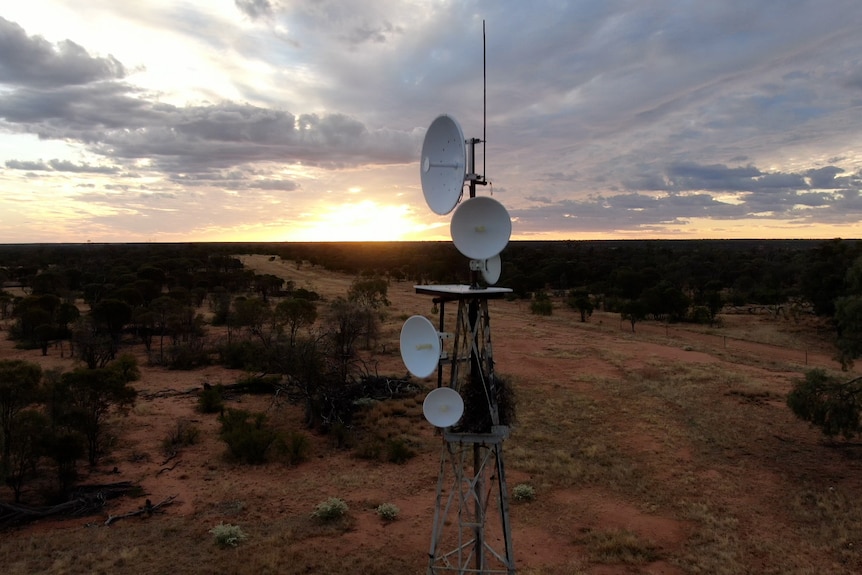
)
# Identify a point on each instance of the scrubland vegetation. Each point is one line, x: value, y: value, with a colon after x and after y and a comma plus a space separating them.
x: 749, y: 487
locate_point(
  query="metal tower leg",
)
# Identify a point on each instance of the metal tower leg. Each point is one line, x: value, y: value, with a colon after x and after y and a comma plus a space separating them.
x: 471, y: 531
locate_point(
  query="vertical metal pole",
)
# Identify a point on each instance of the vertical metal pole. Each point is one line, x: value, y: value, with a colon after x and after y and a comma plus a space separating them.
x: 441, y: 330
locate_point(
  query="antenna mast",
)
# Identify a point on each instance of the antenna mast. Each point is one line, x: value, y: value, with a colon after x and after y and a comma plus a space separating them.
x: 471, y: 532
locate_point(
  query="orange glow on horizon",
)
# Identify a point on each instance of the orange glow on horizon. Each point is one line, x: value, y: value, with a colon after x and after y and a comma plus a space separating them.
x: 365, y: 221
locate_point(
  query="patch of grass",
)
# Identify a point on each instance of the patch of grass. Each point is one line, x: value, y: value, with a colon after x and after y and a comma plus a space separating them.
x: 833, y: 516
x: 620, y: 546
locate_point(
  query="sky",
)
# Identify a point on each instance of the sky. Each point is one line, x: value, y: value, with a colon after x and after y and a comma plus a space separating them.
x: 277, y: 120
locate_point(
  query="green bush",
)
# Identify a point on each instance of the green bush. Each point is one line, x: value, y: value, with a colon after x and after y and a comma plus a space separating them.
x: 398, y: 451
x: 242, y: 355
x: 541, y: 304
x: 828, y: 402
x: 210, y: 400
x: 188, y: 356
x: 331, y: 509
x: 388, y: 511
x: 523, y: 492
x: 247, y: 435
x: 296, y: 447
x: 227, y: 535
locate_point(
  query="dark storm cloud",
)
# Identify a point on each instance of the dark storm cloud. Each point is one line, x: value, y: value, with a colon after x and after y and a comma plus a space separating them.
x: 35, y: 62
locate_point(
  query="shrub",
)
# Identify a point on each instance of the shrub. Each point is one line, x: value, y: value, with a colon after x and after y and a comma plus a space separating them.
x: 243, y: 354
x: 331, y: 509
x: 523, y: 492
x: 228, y: 535
x: 247, y: 435
x: 188, y: 356
x: 296, y: 447
x: 398, y: 451
x: 210, y: 400
x: 183, y: 434
x: 369, y: 448
x: 388, y: 511
x: 541, y: 304
x: 827, y: 402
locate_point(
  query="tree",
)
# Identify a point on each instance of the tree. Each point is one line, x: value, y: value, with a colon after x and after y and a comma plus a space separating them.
x: 112, y: 315
x: 91, y: 394
x: 256, y: 315
x: 370, y: 291
x: 348, y: 320
x: 633, y: 310
x: 27, y: 445
x: 370, y: 295
x: 580, y: 300
x: 267, y: 284
x: 848, y: 318
x: 19, y: 387
x: 296, y: 313
x: 92, y: 346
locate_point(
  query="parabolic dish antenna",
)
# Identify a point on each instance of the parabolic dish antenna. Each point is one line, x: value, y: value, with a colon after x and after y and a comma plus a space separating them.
x: 420, y: 346
x: 443, y: 164
x: 443, y: 407
x: 480, y: 228
x: 491, y: 269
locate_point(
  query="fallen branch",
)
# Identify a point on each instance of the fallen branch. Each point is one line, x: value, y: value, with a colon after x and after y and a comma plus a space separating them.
x: 86, y: 500
x: 171, y: 468
x: 169, y: 393
x: 173, y: 454
x: 148, y: 509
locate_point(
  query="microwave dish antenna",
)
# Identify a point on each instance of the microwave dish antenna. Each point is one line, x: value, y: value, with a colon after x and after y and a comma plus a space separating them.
x: 480, y: 227
x: 491, y: 269
x: 443, y: 164
x: 443, y: 407
x: 420, y: 346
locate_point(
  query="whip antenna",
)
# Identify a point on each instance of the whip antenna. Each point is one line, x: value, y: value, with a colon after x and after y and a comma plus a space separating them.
x: 484, y: 99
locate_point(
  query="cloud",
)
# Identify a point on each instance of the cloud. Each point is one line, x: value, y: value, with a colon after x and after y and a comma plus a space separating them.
x: 631, y: 117
x: 33, y: 61
x: 255, y: 9
x: 122, y: 123
x: 57, y: 165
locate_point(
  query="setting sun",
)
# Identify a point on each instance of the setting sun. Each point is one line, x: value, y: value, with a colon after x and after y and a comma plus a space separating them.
x: 364, y: 221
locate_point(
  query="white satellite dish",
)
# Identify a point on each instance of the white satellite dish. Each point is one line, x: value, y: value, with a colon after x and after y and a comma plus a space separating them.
x: 491, y: 269
x: 420, y: 346
x: 443, y: 407
x: 480, y: 228
x: 443, y: 164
